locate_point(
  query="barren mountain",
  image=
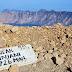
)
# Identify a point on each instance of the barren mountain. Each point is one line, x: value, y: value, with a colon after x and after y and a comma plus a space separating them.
x: 40, y: 18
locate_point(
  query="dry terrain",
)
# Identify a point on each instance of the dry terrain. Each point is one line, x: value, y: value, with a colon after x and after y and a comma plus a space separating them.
x: 52, y: 45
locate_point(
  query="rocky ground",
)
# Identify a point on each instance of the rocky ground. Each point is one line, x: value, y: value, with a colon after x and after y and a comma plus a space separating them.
x: 52, y: 45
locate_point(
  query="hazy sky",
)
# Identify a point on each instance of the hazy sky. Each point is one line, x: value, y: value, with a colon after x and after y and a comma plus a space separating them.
x: 35, y: 5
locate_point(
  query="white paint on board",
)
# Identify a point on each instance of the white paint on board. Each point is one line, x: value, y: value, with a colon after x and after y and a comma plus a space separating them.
x: 20, y: 55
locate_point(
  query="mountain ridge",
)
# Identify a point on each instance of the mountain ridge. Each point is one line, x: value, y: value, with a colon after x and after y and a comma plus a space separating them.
x: 40, y: 18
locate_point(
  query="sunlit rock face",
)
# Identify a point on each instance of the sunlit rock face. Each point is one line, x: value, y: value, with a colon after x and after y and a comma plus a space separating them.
x: 40, y: 18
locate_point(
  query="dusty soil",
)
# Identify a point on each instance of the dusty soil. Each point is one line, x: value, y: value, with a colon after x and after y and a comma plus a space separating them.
x: 52, y: 45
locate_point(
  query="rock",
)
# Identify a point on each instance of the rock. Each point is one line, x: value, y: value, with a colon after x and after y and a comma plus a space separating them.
x: 18, y: 32
x: 34, y: 42
x: 58, y: 24
x: 55, y: 49
x: 41, y: 54
x: 63, y: 55
x: 39, y: 48
x: 63, y: 41
x: 61, y: 50
x: 66, y: 64
x: 7, y: 27
x: 34, y: 26
x: 6, y: 37
x: 1, y: 32
x: 43, y: 51
x: 55, y: 54
x: 71, y: 62
x: 48, y: 56
x: 69, y: 35
x: 14, y: 29
x: 59, y: 60
x: 60, y: 37
x: 14, y: 68
x: 71, y: 68
x: 50, y: 64
x: 67, y: 44
x: 2, y: 43
x: 50, y: 51
x: 37, y: 53
x: 34, y: 65
x: 40, y: 57
x: 52, y: 43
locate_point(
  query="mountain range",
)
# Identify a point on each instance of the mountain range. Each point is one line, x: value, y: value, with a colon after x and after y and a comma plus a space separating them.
x: 40, y: 18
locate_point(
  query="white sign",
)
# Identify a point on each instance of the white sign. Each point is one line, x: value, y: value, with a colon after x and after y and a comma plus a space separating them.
x: 20, y: 55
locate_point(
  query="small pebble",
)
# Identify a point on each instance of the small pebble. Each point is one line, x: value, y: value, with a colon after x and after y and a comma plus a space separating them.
x: 63, y: 55
x: 55, y: 54
x: 48, y: 56
x: 59, y: 60
x: 2, y: 43
x: 14, y: 29
x: 39, y: 48
x: 50, y: 51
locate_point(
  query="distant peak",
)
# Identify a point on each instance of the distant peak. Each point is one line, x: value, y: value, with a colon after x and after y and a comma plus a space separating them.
x: 12, y: 10
x: 42, y: 10
x: 5, y: 10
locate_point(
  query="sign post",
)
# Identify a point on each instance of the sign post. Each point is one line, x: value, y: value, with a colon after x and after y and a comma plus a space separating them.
x: 18, y: 55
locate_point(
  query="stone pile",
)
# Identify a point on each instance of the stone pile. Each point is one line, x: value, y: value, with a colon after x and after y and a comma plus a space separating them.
x: 51, y: 44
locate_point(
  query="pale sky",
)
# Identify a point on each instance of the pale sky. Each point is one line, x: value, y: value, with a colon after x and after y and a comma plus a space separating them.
x: 35, y: 5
